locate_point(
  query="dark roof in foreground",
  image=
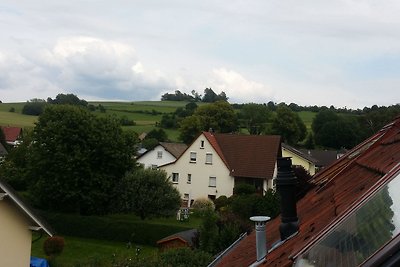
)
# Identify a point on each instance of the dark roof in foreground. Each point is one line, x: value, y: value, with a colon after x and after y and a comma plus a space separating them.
x: 252, y: 156
x: 37, y: 223
x: 336, y: 190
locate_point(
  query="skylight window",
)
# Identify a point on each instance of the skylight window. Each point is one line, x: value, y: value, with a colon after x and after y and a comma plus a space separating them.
x: 363, y: 232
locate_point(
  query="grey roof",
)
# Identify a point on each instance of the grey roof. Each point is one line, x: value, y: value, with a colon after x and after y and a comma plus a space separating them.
x: 37, y: 223
x: 323, y: 157
x: 300, y: 153
x: 176, y: 149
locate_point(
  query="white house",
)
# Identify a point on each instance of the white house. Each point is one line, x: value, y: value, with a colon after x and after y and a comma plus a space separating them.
x: 214, y: 163
x: 162, y: 154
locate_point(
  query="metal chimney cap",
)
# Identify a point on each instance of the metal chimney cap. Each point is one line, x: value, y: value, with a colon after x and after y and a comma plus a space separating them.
x: 260, y: 218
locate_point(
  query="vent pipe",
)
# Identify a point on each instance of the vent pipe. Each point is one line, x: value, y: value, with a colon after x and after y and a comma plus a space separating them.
x: 261, y: 238
x: 286, y: 183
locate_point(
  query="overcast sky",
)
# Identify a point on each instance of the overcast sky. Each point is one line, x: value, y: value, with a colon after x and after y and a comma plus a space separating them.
x: 315, y: 52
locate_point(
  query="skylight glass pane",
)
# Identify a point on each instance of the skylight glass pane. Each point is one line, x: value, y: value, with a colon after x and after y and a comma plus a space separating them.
x: 365, y: 231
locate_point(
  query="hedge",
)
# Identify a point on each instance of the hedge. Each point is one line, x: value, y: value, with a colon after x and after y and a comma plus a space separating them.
x: 96, y: 227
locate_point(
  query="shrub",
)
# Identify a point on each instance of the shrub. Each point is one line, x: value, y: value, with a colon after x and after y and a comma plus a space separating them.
x: 221, y: 202
x: 202, y: 205
x: 53, y: 246
x: 244, y: 189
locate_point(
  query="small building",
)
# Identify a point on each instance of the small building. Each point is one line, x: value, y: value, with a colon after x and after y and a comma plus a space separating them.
x: 179, y: 240
x: 17, y: 221
x: 162, y: 154
x: 12, y: 135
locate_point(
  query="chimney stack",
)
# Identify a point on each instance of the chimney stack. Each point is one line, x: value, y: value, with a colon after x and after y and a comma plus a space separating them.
x: 286, y: 183
x: 261, y: 238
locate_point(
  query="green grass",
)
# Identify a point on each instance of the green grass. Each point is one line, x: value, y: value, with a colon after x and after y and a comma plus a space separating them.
x: 17, y: 119
x: 307, y: 117
x: 86, y: 252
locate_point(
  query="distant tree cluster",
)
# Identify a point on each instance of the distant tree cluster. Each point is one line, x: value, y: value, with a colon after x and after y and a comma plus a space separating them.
x: 36, y: 106
x: 209, y: 96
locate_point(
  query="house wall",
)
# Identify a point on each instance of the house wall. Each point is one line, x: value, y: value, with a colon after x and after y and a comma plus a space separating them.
x: 297, y: 160
x: 173, y: 243
x: 15, y: 237
x: 201, y: 172
x: 151, y: 157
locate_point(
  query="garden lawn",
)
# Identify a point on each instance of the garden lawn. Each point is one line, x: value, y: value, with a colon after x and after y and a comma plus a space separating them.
x: 91, y: 252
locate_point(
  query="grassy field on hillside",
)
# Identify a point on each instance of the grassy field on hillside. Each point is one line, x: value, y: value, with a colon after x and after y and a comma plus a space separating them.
x: 146, y: 114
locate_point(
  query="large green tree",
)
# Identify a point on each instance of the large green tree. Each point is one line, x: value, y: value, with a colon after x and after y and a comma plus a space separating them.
x: 289, y: 125
x: 148, y: 192
x: 76, y: 159
x: 255, y: 116
x: 218, y: 116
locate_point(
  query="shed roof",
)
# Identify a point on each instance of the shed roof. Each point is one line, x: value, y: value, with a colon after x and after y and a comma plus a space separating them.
x: 186, y: 236
x: 252, y: 156
x: 336, y: 189
x: 37, y: 223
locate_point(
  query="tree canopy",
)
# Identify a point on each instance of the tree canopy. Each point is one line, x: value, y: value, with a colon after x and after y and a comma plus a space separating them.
x: 76, y: 159
x: 148, y: 192
x: 289, y: 125
x: 255, y: 117
x: 218, y: 116
x: 67, y: 99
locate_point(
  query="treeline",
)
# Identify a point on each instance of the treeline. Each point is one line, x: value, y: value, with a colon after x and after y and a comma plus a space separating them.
x: 209, y: 96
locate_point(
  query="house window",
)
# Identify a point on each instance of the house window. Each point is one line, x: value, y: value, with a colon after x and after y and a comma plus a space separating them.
x: 189, y: 178
x: 153, y: 166
x: 193, y: 156
x: 159, y: 154
x: 186, y: 196
x: 175, y: 177
x: 212, y: 182
x: 209, y: 158
x: 202, y: 144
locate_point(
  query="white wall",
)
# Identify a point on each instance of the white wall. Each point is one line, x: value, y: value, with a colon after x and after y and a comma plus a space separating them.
x: 151, y: 157
x: 200, y: 171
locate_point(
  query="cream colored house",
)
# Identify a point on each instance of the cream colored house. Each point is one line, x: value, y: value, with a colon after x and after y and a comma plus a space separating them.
x: 162, y: 154
x: 214, y: 163
x: 299, y: 158
x: 17, y: 221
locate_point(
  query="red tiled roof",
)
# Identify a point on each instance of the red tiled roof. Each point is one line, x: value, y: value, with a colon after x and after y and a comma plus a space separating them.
x: 11, y: 134
x: 247, y: 155
x: 336, y: 188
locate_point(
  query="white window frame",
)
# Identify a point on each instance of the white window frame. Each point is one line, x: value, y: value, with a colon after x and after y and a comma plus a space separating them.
x: 189, y: 178
x: 209, y: 158
x: 175, y: 177
x: 212, y: 181
x: 193, y: 156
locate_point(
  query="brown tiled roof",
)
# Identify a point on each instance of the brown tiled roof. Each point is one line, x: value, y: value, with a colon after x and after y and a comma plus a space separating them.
x: 335, y: 190
x: 11, y: 134
x: 176, y: 149
x: 247, y: 155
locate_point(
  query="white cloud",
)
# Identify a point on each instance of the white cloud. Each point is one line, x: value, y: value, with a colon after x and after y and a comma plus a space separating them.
x: 238, y: 88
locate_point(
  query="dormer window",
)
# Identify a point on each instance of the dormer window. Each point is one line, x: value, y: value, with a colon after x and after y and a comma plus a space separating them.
x: 193, y: 156
x: 202, y: 144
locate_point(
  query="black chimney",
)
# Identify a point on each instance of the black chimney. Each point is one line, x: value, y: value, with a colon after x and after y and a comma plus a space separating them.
x: 286, y: 183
